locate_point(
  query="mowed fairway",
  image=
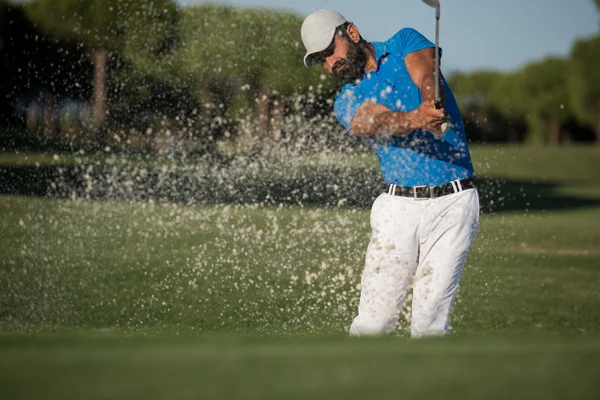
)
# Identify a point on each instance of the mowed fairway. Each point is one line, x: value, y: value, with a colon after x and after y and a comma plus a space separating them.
x: 140, y: 300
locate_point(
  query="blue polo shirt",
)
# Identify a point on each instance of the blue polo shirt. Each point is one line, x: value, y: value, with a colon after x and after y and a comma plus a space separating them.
x: 417, y: 159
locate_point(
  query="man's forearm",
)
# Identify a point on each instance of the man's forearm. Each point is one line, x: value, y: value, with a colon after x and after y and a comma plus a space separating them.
x: 395, y: 123
x: 428, y: 88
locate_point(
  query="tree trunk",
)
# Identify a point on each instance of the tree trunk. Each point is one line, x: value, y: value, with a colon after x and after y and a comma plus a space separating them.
x: 263, y: 111
x: 32, y: 117
x: 209, y: 112
x: 597, y: 127
x: 554, y: 132
x: 277, y: 122
x: 100, y: 59
x: 49, y: 117
x: 536, y: 130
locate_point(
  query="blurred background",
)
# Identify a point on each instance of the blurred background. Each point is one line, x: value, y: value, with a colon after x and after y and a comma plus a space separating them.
x: 182, y: 216
x: 223, y: 78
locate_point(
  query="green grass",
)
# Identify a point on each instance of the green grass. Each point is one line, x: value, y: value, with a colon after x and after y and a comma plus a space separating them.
x: 142, y: 300
x: 270, y: 270
x: 300, y: 369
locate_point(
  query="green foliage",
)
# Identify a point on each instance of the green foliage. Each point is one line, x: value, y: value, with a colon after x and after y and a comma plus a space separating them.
x: 506, y: 96
x: 584, y: 80
x: 257, y: 48
x: 226, y: 56
x: 218, y: 44
x: 284, y: 51
x: 143, y: 30
x: 108, y: 24
x: 545, y: 94
x: 474, y: 89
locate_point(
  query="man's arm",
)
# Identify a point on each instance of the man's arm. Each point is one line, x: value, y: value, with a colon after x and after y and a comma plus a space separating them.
x: 421, y: 68
x: 376, y: 119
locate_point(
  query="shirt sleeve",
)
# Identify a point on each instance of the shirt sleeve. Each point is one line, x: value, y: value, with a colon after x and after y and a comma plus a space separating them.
x: 346, y: 104
x: 407, y: 41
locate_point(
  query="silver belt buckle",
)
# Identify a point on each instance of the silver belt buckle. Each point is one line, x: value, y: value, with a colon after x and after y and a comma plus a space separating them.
x: 414, y: 188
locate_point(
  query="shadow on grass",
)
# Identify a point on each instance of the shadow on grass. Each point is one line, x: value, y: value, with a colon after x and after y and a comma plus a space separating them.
x: 250, y: 183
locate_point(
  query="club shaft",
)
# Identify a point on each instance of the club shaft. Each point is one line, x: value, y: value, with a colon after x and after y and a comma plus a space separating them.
x: 438, y: 98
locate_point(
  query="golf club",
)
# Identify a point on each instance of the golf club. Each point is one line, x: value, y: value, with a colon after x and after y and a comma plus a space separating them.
x: 438, y: 99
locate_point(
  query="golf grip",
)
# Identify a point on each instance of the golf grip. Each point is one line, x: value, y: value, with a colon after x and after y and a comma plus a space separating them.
x: 445, y: 125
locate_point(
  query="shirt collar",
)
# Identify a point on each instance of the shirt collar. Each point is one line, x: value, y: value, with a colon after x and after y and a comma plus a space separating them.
x: 381, y: 51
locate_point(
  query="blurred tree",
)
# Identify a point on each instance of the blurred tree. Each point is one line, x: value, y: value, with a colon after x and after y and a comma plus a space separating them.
x: 473, y: 89
x: 251, y: 47
x: 545, y: 94
x: 240, y: 61
x: 507, y: 100
x: 140, y: 27
x: 3, y: 21
x: 38, y: 73
x: 584, y: 81
x: 473, y: 94
x: 546, y: 98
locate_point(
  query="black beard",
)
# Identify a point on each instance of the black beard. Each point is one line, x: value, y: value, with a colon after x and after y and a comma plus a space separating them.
x: 354, y: 64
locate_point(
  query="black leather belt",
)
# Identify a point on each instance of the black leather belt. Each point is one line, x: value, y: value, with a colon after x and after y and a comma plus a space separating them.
x: 429, y: 192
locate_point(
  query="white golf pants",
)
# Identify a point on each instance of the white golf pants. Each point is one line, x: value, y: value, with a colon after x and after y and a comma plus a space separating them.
x: 420, y: 244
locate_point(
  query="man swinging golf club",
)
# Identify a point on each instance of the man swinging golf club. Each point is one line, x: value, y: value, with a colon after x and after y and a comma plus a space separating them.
x: 427, y: 216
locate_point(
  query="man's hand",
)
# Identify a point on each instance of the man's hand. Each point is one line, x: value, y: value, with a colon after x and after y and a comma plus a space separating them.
x: 427, y: 117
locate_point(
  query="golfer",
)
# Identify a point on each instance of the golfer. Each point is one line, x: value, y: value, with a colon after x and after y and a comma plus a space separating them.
x: 427, y: 216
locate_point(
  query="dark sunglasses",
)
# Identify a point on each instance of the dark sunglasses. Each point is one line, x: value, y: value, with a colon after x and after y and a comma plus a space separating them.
x: 320, y: 57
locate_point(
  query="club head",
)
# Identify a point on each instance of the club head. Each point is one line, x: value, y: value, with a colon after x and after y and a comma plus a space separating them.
x: 432, y: 3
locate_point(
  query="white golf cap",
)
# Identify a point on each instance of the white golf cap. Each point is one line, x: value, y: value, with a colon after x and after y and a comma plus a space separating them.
x: 318, y: 30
